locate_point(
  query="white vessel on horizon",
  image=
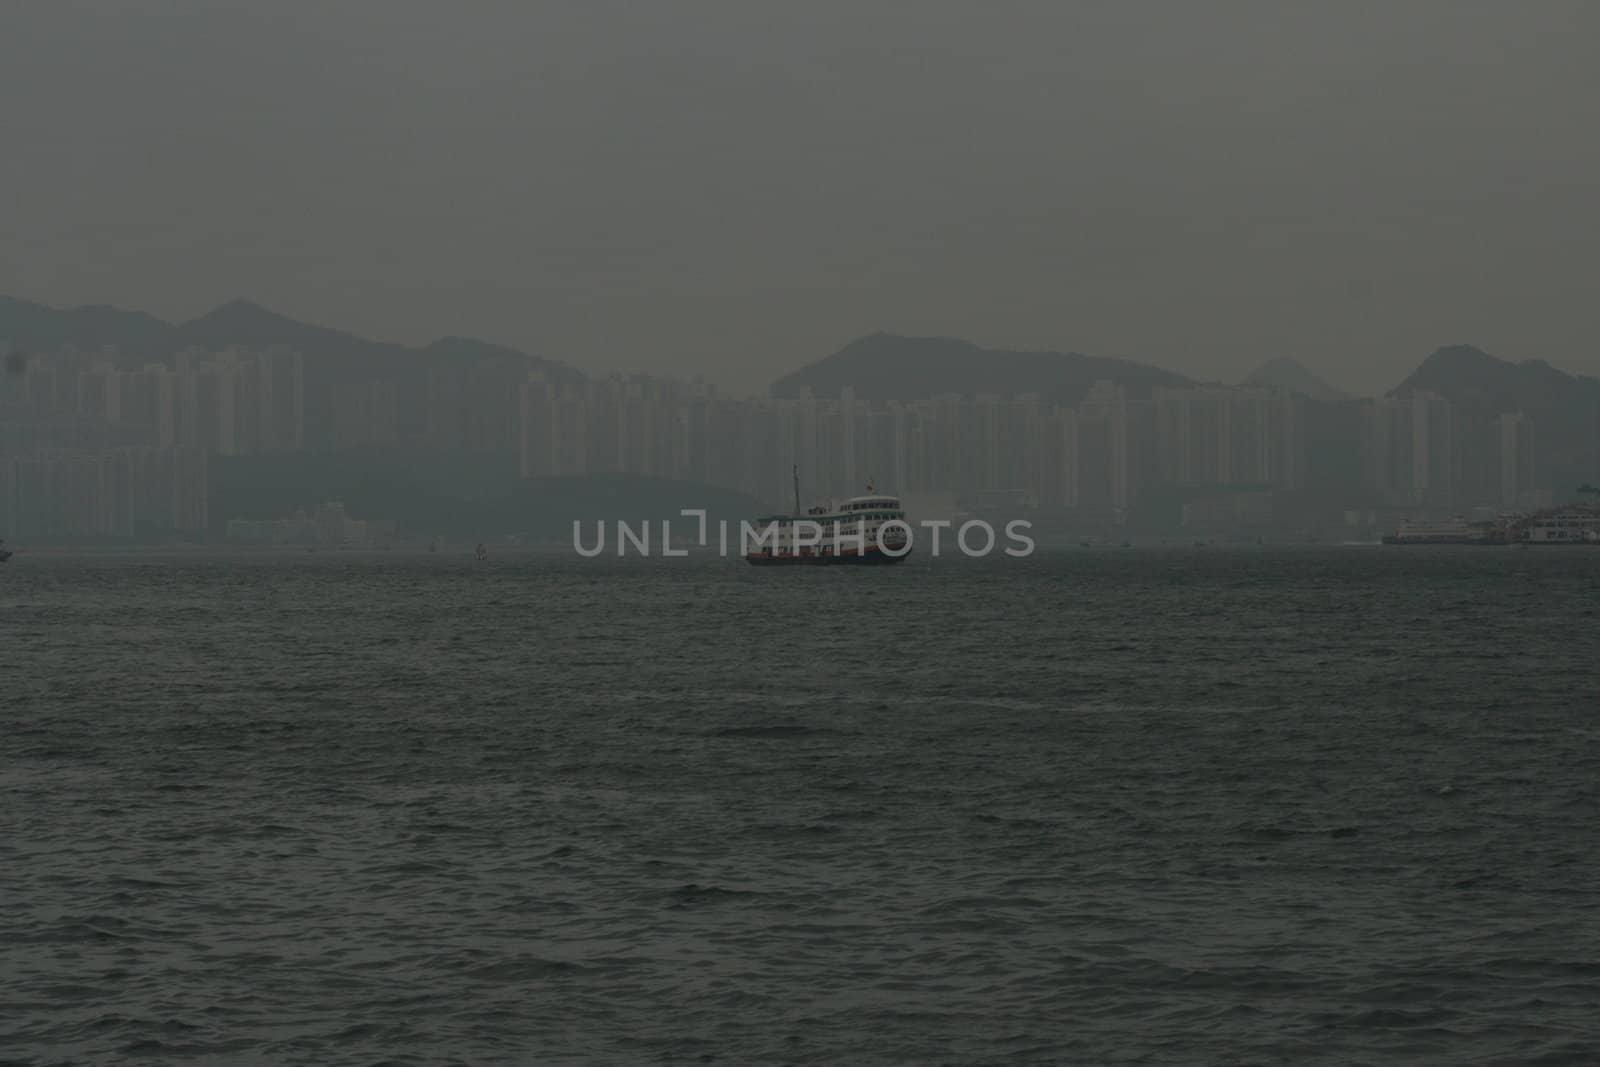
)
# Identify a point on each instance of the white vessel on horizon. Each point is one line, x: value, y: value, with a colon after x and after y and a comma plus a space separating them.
x: 1455, y: 531
x: 861, y: 529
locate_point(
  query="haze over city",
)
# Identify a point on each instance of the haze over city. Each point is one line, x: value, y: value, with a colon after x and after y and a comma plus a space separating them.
x: 737, y: 190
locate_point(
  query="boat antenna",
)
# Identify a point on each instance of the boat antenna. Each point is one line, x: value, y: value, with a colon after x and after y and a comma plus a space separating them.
x: 797, y: 488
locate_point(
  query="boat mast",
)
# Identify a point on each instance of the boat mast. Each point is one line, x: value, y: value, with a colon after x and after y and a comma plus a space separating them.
x: 797, y: 488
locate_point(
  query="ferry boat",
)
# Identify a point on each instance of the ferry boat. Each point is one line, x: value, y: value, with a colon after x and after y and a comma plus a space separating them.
x: 839, y: 531
x: 1449, y: 532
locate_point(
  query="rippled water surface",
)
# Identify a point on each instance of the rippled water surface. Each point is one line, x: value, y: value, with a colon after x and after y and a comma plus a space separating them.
x: 1098, y: 806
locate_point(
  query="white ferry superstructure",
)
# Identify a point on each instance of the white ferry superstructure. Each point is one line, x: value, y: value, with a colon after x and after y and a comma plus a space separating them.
x: 861, y: 529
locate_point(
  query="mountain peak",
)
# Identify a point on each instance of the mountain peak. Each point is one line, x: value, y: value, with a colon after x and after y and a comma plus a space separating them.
x: 245, y: 322
x: 1282, y: 372
x: 886, y: 366
x: 1471, y: 376
x: 1454, y: 368
x: 1462, y: 356
x: 240, y: 311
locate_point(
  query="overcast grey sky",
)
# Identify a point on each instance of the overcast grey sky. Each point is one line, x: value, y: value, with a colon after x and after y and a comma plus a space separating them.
x: 736, y: 187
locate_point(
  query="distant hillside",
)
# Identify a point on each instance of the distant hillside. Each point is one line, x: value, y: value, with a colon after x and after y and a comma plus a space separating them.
x: 477, y: 380
x: 246, y: 324
x: 1565, y: 408
x: 1472, y: 378
x: 887, y: 366
x: 1285, y: 373
x: 31, y: 327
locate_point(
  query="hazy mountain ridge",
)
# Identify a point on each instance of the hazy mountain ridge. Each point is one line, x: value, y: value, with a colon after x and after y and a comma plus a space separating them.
x: 1565, y: 408
x: 37, y: 327
x: 338, y: 354
x: 1472, y: 377
x: 1282, y: 372
x: 885, y: 366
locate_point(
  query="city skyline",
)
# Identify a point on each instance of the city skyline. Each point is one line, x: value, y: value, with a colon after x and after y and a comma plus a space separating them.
x: 90, y: 446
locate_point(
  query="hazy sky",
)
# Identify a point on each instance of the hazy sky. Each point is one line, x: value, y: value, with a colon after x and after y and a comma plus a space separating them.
x: 736, y: 187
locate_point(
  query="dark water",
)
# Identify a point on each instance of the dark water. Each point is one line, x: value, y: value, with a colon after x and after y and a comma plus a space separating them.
x: 1164, y: 806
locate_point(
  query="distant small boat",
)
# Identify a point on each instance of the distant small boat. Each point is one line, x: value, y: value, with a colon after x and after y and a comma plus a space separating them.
x: 5, y: 553
x: 480, y: 552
